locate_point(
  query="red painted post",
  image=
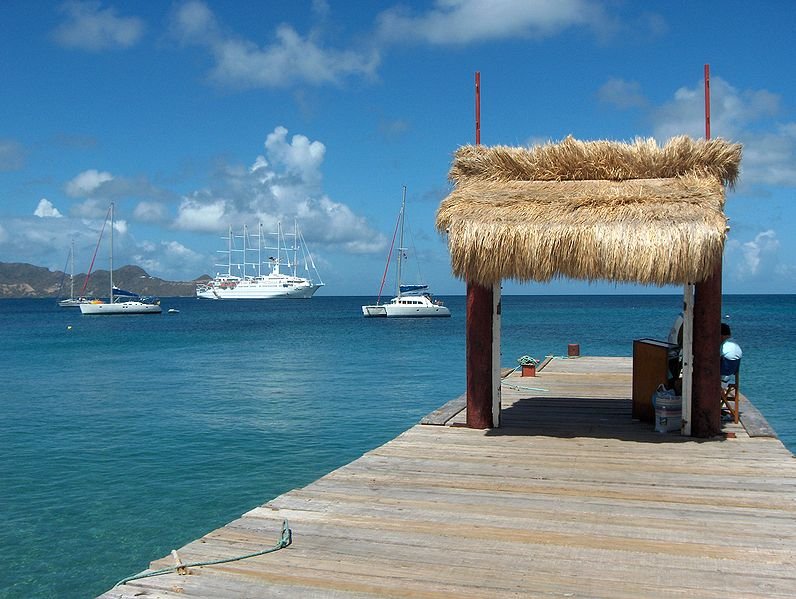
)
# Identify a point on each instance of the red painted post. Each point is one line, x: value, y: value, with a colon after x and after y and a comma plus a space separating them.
x: 479, y: 329
x: 706, y: 386
x: 478, y: 108
x: 479, y: 356
x: 707, y: 101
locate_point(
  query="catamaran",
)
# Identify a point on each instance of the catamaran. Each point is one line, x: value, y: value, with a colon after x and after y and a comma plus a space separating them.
x: 244, y: 278
x: 412, y: 300
x: 119, y: 301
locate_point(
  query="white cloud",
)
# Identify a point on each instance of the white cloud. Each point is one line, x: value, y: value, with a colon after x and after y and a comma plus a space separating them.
x: 12, y: 155
x: 3, y: 234
x: 393, y: 129
x: 622, y: 94
x: 732, y: 112
x: 90, y: 209
x: 755, y: 258
x: 745, y: 116
x: 149, y: 212
x: 260, y: 163
x: 288, y: 60
x: 90, y: 27
x: 170, y: 259
x: 300, y: 157
x: 467, y: 21
x: 769, y: 158
x: 179, y: 251
x: 282, y: 186
x: 86, y: 183
x: 45, y: 209
x: 197, y: 214
x: 195, y: 21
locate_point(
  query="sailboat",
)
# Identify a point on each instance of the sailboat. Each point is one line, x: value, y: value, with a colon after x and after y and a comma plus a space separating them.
x: 412, y: 300
x: 72, y: 301
x: 120, y: 301
x: 251, y: 282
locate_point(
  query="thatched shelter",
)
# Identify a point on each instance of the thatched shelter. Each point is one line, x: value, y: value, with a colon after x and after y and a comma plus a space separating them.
x: 601, y: 210
x: 629, y: 212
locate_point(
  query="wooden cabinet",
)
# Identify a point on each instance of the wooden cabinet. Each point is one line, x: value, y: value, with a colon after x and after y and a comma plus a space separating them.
x: 650, y: 369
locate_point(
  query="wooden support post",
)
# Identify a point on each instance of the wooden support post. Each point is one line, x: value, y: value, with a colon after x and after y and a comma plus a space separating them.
x: 479, y: 356
x: 705, y: 403
x: 688, y: 357
x: 496, y: 380
x: 706, y: 386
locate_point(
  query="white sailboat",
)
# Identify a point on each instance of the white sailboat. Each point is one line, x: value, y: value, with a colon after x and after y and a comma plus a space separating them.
x: 411, y: 301
x: 120, y: 301
x: 251, y: 283
x: 72, y: 301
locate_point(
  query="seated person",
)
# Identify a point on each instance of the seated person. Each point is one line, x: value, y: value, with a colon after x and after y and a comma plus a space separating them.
x: 730, y: 356
x: 675, y: 338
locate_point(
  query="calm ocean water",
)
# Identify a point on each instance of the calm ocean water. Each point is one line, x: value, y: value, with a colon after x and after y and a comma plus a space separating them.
x: 125, y: 437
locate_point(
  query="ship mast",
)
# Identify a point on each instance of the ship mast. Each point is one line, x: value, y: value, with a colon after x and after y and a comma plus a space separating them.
x: 72, y: 271
x: 111, y: 255
x: 401, y: 248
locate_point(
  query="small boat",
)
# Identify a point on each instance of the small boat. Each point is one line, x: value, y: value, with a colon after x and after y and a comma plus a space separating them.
x: 411, y: 301
x: 120, y: 301
x: 173, y: 311
x: 250, y: 282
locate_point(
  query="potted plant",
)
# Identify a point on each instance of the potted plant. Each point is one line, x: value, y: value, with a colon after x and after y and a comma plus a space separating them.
x: 528, y: 365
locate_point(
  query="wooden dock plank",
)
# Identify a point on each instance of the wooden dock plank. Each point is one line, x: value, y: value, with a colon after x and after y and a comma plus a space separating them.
x: 571, y: 497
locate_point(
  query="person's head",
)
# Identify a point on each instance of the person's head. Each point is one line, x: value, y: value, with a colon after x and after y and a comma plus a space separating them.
x: 725, y: 330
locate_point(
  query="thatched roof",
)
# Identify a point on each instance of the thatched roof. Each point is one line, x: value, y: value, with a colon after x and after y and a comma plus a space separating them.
x: 598, y: 210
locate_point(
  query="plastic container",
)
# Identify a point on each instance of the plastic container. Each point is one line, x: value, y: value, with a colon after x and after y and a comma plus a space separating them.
x: 668, y: 412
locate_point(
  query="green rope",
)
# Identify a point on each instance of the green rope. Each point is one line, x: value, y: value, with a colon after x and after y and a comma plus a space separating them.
x: 285, y: 540
x: 519, y: 388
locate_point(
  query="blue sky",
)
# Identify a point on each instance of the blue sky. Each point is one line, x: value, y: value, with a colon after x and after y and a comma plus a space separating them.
x: 194, y: 116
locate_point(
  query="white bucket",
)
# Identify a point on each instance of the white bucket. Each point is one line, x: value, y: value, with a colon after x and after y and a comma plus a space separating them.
x: 668, y: 413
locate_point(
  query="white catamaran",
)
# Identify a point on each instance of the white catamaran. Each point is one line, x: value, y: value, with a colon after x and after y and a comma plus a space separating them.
x: 411, y: 301
x: 120, y: 301
x: 244, y: 279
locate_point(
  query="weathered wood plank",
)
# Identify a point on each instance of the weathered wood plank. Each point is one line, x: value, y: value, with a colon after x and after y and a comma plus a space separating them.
x: 442, y: 415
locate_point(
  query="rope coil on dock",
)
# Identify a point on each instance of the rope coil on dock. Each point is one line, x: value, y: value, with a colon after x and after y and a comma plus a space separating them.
x: 285, y: 539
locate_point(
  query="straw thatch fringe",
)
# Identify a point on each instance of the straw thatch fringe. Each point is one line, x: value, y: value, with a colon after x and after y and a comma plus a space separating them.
x: 650, y: 231
x: 577, y: 160
x: 596, y: 210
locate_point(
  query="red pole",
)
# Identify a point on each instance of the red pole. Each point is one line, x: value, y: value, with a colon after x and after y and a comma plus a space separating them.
x: 477, y: 108
x: 707, y: 101
x: 706, y: 385
x: 478, y: 329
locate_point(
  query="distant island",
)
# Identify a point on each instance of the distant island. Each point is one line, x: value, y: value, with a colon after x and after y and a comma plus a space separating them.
x: 19, y: 280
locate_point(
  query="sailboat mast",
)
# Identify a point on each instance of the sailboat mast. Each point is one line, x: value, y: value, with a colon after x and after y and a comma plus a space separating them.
x: 111, y: 255
x: 278, y: 245
x: 229, y: 252
x: 259, y: 249
x: 401, y: 248
x: 245, y: 239
x: 295, y: 247
x: 72, y: 271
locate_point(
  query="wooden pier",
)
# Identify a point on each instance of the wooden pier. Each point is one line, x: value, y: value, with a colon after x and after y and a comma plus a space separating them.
x: 569, y: 498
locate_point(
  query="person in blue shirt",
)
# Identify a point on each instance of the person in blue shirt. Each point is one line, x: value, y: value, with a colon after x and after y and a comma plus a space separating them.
x: 731, y: 354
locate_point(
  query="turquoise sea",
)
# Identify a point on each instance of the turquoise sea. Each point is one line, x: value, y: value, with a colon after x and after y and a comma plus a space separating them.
x: 125, y: 437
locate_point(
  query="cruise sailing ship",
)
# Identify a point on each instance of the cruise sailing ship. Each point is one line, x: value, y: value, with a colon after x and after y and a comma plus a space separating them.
x: 244, y: 277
